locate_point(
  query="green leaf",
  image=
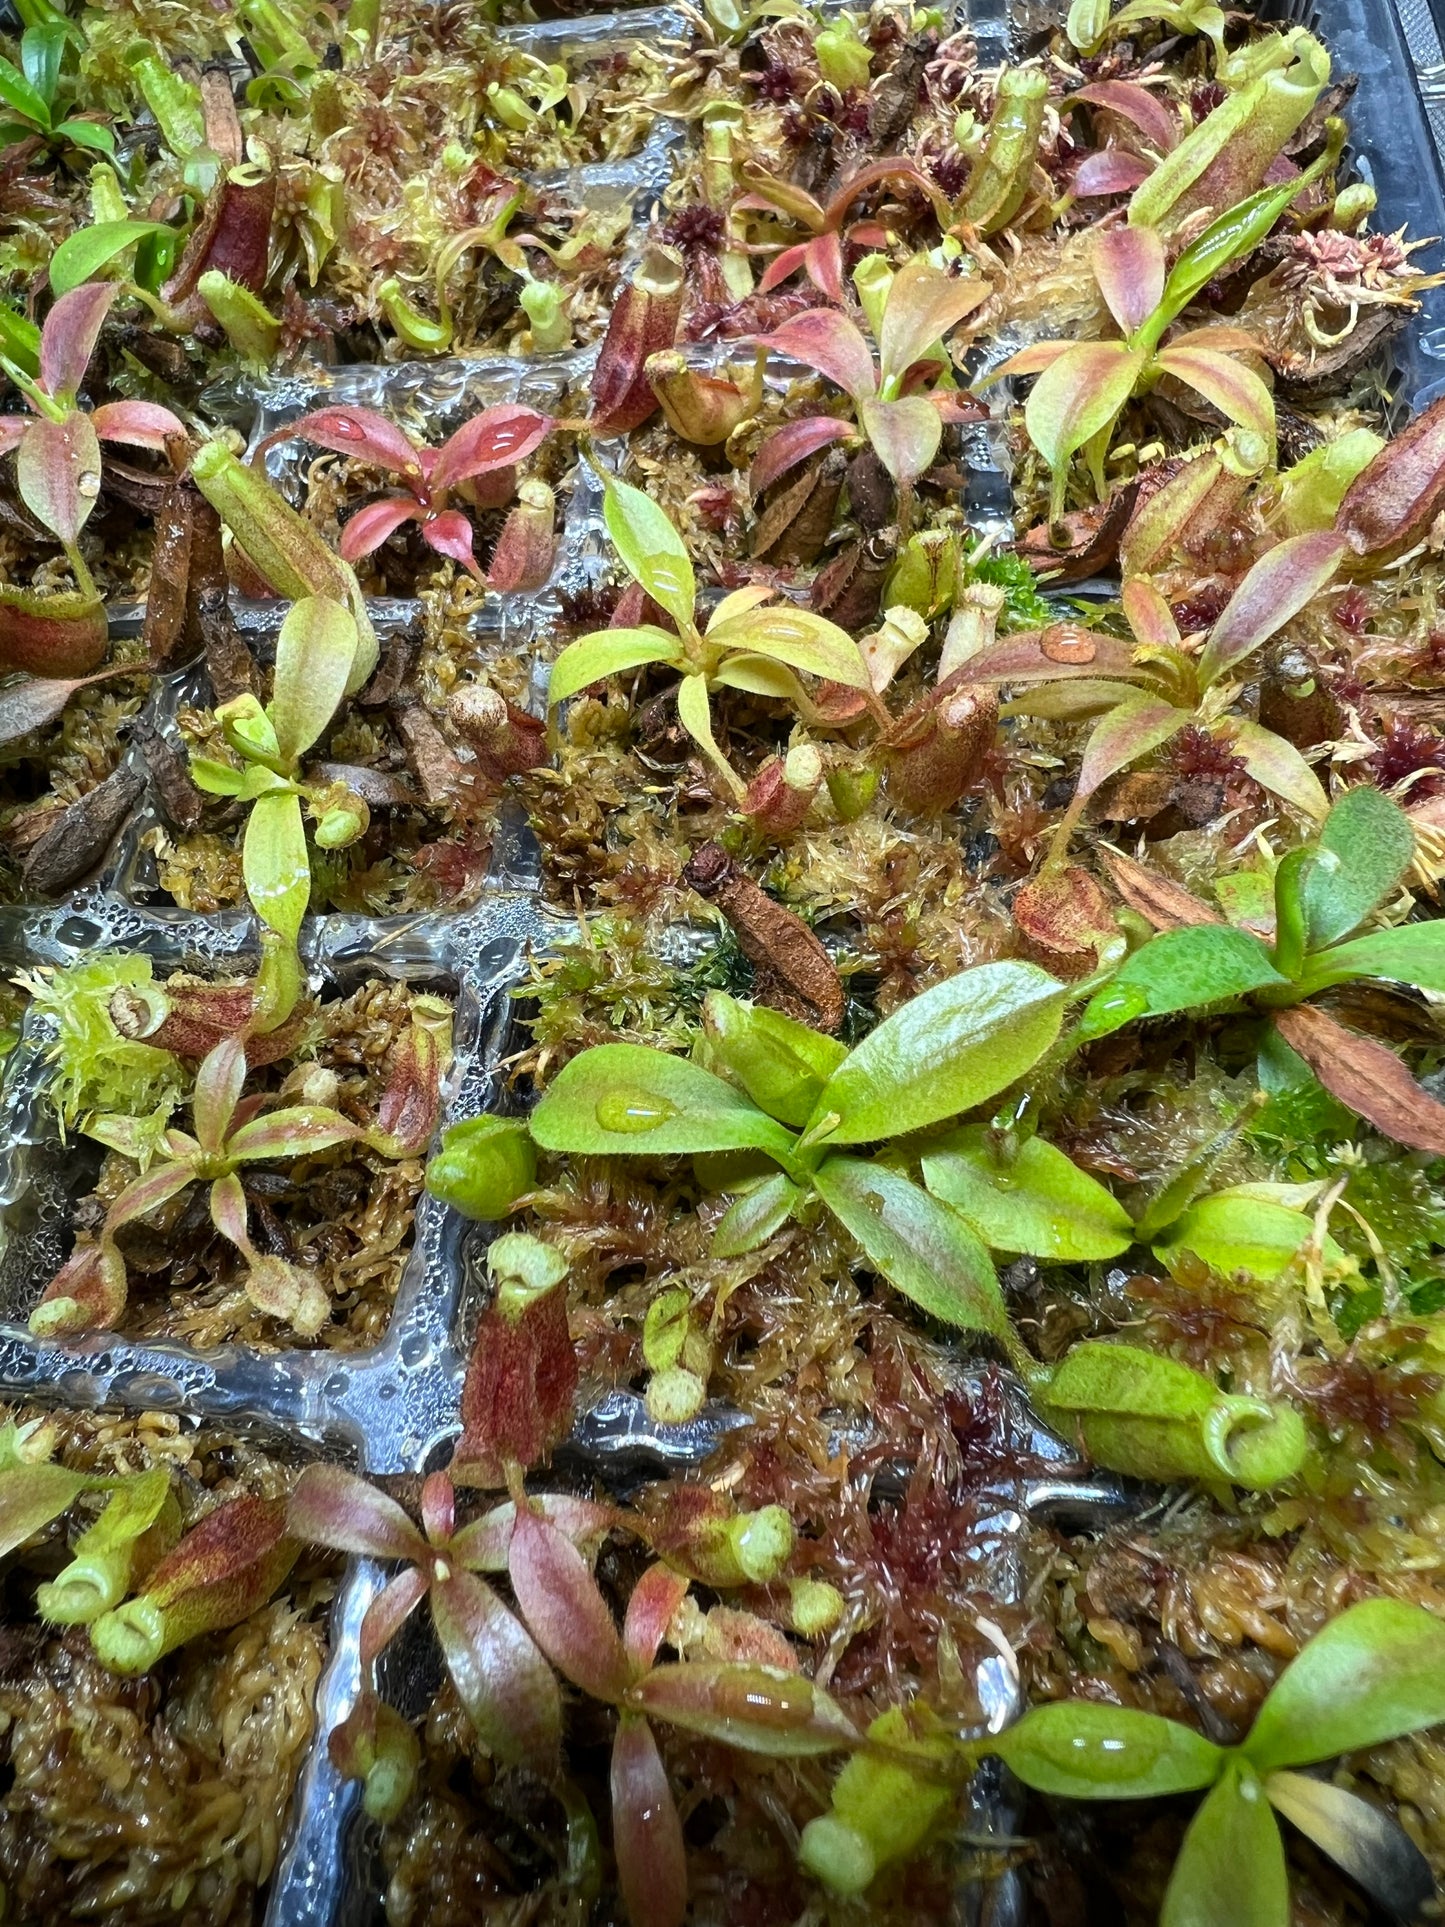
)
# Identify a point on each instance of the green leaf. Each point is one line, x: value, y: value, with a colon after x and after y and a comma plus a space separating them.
x: 1412, y: 954
x: 1180, y: 970
x: 314, y: 655
x: 904, y: 434
x: 800, y: 639
x: 216, y: 778
x: 87, y: 133
x: 624, y: 1099
x: 1083, y: 1750
x: 274, y: 863
x: 1364, y: 849
x: 1275, y: 764
x: 694, y: 712
x: 83, y: 255
x: 1234, y: 1233
x: 18, y: 94
x: 1230, y: 1871
x: 1036, y: 1201
x: 41, y: 51
x: 751, y: 1220
x: 781, y: 1063
x: 943, y: 1052
x: 650, y: 549
x: 923, y: 1249
x: 1372, y: 1674
x: 608, y: 653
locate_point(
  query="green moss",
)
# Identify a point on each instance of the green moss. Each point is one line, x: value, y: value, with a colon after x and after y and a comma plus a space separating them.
x: 96, y: 1069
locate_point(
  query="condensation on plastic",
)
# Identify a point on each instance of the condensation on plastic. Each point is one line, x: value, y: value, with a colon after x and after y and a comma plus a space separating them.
x: 393, y: 1408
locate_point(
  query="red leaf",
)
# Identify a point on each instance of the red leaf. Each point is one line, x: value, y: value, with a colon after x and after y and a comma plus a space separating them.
x: 1111, y: 171
x: 782, y: 265
x: 370, y: 526
x: 438, y: 1508
x: 564, y: 1611
x: 497, y: 438
x: 1366, y: 1077
x: 1165, y: 903
x: 450, y: 534
x: 826, y: 340
x: 655, y: 1598
x: 823, y: 258
x: 68, y: 338
x: 1142, y: 109
x: 1128, y: 265
x: 794, y: 442
x: 646, y: 1831
x: 140, y: 424
x: 361, y: 432
x: 330, y: 1507
x: 509, y: 1691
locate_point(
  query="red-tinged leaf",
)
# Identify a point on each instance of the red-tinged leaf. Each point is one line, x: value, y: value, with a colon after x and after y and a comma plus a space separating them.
x: 1025, y: 658
x: 953, y: 406
x: 646, y: 1831
x: 655, y: 1598
x: 923, y: 305
x: 823, y: 259
x: 1128, y: 264
x: 294, y: 1132
x: 1149, y: 615
x: 509, y: 1691
x: 12, y: 428
x: 1153, y: 117
x: 68, y: 338
x: 361, y: 432
x: 450, y: 534
x: 783, y: 265
x: 497, y: 438
x: 230, y: 1213
x: 1110, y: 171
x: 410, y: 1105
x: 139, y: 424
x: 1392, y: 502
x: 1282, y: 583
x: 145, y: 1194
x: 438, y: 1508
x: 389, y: 1611
x: 1163, y: 902
x: 370, y: 526
x: 758, y: 1708
x: 1365, y: 1077
x: 30, y: 704
x: 1234, y: 389
x: 57, y: 468
x: 219, y: 1083
x: 1276, y: 764
x: 483, y: 1545
x: 331, y: 1507
x: 826, y: 340
x: 905, y: 435
x: 1121, y: 738
x: 564, y: 1610
x: 1079, y: 396
x: 791, y: 444
x: 1032, y: 360
x: 88, y: 1293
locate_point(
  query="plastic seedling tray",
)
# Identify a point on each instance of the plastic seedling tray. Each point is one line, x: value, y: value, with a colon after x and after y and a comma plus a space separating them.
x: 392, y: 1409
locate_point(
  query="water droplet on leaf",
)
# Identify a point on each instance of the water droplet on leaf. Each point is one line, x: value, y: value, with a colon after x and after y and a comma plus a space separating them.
x: 633, y: 1111
x: 87, y: 484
